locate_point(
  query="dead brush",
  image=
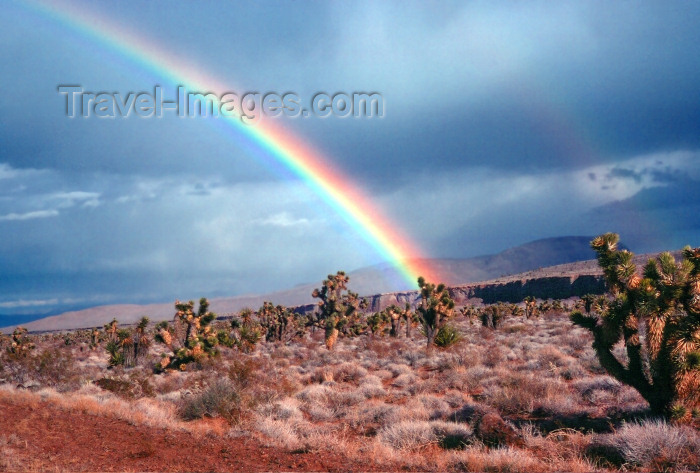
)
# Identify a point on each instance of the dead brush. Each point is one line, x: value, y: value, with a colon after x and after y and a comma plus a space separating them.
x: 220, y: 399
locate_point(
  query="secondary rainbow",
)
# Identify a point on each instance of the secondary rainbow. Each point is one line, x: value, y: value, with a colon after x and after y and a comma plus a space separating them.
x: 335, y: 189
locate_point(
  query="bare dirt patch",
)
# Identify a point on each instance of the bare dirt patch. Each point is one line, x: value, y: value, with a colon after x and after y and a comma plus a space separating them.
x: 48, y: 438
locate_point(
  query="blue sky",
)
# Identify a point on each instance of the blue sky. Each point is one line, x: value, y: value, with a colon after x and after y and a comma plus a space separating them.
x: 505, y: 122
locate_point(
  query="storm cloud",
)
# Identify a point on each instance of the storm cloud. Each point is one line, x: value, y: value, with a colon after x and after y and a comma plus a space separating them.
x: 504, y: 122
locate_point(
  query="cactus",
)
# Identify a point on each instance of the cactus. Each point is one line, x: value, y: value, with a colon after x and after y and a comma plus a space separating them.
x: 338, y: 308
x: 435, y: 308
x: 190, y: 338
x: 656, y: 315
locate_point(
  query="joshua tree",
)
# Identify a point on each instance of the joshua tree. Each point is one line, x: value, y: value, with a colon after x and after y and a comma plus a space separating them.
x: 558, y: 305
x: 492, y: 315
x: 435, y: 308
x: 140, y: 340
x: 470, y: 312
x: 247, y: 331
x: 657, y: 317
x: 530, y: 306
x: 515, y: 310
x: 545, y: 306
x: 338, y: 308
x: 111, y: 330
x: 378, y: 322
x: 126, y: 347
x: 21, y: 344
x: 279, y: 323
x: 94, y: 338
x: 410, y: 319
x: 191, y: 337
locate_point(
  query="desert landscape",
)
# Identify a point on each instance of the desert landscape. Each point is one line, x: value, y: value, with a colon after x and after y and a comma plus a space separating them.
x: 349, y: 236
x: 503, y: 387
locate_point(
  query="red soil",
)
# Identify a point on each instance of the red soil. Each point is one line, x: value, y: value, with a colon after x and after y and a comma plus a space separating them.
x: 48, y: 438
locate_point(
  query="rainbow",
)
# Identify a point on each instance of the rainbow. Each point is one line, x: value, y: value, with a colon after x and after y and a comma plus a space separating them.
x: 334, y: 188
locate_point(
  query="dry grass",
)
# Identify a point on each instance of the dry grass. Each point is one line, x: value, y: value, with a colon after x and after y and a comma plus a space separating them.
x: 528, y: 397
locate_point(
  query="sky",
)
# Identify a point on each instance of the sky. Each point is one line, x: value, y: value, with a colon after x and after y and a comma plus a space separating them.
x: 504, y: 122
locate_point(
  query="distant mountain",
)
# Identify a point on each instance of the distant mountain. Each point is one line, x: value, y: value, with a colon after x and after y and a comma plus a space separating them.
x: 372, y: 280
x: 527, y: 257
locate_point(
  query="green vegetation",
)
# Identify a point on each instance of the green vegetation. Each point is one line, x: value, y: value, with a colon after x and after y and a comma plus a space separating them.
x: 279, y: 323
x: 656, y: 315
x: 21, y: 344
x: 339, y: 309
x: 435, y: 308
x: 126, y: 347
x: 190, y: 338
x: 447, y: 336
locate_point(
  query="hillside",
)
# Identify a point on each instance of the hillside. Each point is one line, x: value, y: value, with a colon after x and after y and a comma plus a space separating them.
x: 379, y: 279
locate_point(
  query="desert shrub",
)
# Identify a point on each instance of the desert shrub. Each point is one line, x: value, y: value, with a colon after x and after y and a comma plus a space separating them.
x: 655, y: 445
x: 52, y: 367
x: 56, y: 368
x: 132, y: 386
x: 409, y: 435
x: 493, y: 357
x: 519, y: 394
x: 349, y: 372
x: 447, y: 336
x: 314, y: 393
x: 466, y: 357
x: 589, y: 386
x: 370, y: 389
x: 405, y: 380
x: 452, y: 435
x: 219, y: 399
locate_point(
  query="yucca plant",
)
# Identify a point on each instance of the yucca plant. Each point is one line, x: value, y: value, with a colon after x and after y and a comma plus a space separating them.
x: 656, y: 315
x: 447, y: 336
x: 435, y: 308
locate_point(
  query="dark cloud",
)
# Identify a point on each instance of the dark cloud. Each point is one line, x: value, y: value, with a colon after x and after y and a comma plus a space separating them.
x: 622, y: 173
x: 505, y: 122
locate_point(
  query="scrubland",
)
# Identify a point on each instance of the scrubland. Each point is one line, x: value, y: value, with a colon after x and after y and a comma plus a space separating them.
x: 529, y: 396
